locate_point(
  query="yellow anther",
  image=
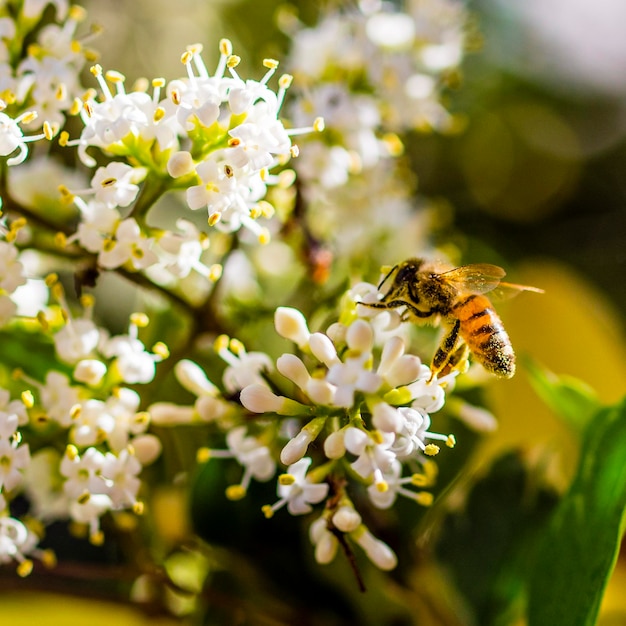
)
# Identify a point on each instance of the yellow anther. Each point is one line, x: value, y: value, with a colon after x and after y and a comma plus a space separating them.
x: 318, y: 124
x: 43, y: 322
x: 115, y: 76
x: 228, y: 171
x: 214, y: 218
x: 233, y: 61
x: 175, y: 96
x: 382, y: 486
x: 394, y: 144
x: 87, y: 300
x: 141, y: 320
x: 265, y: 208
x: 419, y: 480
x: 221, y: 343
x: 233, y: 142
x: 48, y: 131
x: 75, y: 411
x: 271, y: 64
x: 185, y: 57
x: 286, y: 178
x: 294, y: 151
x: 61, y: 93
x: 377, y: 436
x: 425, y: 498
x: 284, y: 82
x: 203, y: 455
x: 88, y: 108
x: 139, y: 508
x: 28, y: 399
x: 215, y: 272
x: 226, y: 47
x: 96, y: 69
x: 286, y: 479
x: 236, y: 347
x: 159, y: 114
x: 77, y: 105
x: 264, y: 236
x: 195, y: 48
x: 451, y: 441
x: 77, y: 13
x: 29, y: 117
x: 160, y: 349
x: 96, y: 538
x: 268, y: 511
x: 158, y: 82
x: 51, y: 280
x: 48, y: 558
x: 235, y: 492
x: 24, y: 568
x: 141, y: 418
x: 109, y: 182
x: 71, y: 452
x: 431, y: 450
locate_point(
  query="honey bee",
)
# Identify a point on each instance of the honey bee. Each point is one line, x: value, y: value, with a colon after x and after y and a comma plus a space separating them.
x: 434, y: 292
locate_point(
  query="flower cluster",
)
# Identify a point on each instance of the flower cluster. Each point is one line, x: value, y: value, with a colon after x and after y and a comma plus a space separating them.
x: 354, y: 391
x: 374, y: 72
x: 217, y: 136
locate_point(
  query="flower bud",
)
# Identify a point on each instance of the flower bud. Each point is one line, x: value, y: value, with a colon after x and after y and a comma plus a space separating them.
x: 291, y: 324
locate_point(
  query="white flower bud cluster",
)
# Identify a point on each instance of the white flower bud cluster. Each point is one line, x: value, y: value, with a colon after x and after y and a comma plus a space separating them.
x: 365, y: 403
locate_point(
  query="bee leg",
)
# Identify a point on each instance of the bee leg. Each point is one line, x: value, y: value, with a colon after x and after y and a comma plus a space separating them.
x: 446, y: 350
x: 458, y: 360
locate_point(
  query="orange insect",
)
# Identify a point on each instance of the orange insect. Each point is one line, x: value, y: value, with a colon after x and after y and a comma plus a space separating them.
x: 434, y: 292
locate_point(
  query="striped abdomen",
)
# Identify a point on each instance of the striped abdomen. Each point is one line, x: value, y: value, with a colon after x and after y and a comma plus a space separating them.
x: 483, y: 332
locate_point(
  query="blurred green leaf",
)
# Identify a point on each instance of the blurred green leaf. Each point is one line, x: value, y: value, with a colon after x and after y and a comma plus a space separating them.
x: 488, y: 547
x: 567, y: 396
x: 579, y: 549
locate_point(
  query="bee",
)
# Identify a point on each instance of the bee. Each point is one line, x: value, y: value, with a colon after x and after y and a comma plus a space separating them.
x: 435, y: 292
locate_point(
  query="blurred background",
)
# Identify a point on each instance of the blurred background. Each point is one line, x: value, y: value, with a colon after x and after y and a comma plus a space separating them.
x: 536, y: 179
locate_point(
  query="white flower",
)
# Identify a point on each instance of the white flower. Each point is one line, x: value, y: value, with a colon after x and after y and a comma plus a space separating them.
x: 180, y: 252
x: 114, y: 185
x: 374, y: 454
x: 12, y: 138
x: 97, y: 226
x: 83, y: 473
x: 244, y: 368
x: 58, y: 397
x: 121, y: 473
x: 296, y: 491
x: 133, y: 363
x: 16, y: 541
x: 13, y: 460
x: 11, y: 270
x: 76, y: 340
x: 251, y: 454
x: 129, y: 246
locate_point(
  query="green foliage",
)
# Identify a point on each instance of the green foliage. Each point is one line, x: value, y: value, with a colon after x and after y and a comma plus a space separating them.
x: 579, y: 549
x: 567, y: 396
x: 488, y: 547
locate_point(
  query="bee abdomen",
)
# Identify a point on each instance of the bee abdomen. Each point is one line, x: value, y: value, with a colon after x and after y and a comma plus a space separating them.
x: 484, y: 333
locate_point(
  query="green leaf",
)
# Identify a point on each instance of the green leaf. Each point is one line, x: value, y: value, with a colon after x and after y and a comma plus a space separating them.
x: 579, y: 549
x: 567, y: 396
x: 488, y: 547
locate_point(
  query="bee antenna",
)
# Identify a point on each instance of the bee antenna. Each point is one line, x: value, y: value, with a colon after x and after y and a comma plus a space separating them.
x: 387, y: 275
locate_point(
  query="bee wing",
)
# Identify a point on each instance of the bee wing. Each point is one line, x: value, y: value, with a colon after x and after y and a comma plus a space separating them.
x: 477, y: 277
x: 504, y: 291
